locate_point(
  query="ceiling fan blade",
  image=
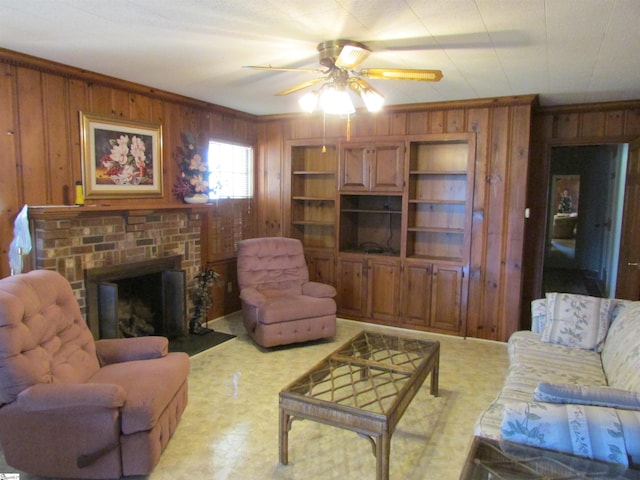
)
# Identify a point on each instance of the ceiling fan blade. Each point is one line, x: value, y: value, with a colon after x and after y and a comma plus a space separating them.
x: 352, y: 55
x: 358, y: 85
x: 401, y: 74
x: 302, y: 85
x: 283, y: 69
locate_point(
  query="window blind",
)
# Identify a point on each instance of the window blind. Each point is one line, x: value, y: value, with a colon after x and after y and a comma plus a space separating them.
x: 231, y: 168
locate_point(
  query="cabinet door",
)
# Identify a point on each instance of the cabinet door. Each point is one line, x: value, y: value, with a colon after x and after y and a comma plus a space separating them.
x: 354, y: 169
x: 352, y: 286
x: 416, y: 291
x: 383, y: 289
x: 387, y: 167
x: 321, y: 266
x: 446, y: 288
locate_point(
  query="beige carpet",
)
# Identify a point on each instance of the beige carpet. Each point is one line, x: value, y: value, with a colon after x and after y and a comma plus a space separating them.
x: 230, y: 428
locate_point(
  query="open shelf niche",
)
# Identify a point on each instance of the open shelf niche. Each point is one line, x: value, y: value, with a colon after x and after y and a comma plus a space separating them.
x: 313, y: 194
x: 440, y: 193
x: 371, y: 224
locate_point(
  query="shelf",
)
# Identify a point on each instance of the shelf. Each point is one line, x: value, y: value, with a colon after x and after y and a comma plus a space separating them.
x: 70, y: 211
x: 439, y: 202
x: 385, y: 252
x: 313, y: 172
x: 364, y: 210
x: 435, y: 258
x: 438, y: 172
x: 437, y: 230
x: 313, y: 223
x: 314, y: 199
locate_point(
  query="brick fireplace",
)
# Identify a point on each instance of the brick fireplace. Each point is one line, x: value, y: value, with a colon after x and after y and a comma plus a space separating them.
x: 74, y: 240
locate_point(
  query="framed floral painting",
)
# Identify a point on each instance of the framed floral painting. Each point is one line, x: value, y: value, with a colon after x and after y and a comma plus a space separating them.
x: 120, y: 158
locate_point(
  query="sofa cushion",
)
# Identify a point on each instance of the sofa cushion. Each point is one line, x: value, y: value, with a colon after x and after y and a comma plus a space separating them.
x: 587, y: 395
x: 621, y: 352
x: 578, y: 321
x: 533, y: 361
x: 587, y: 431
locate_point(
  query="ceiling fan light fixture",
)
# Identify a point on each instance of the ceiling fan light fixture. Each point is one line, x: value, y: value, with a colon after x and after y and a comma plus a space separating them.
x: 336, y: 101
x: 309, y: 101
x: 372, y: 99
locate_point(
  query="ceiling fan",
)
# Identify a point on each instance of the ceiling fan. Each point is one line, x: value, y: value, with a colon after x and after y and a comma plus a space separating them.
x: 339, y: 60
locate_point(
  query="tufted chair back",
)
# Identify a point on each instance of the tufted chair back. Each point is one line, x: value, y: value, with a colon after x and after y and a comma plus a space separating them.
x: 43, y: 336
x: 272, y: 265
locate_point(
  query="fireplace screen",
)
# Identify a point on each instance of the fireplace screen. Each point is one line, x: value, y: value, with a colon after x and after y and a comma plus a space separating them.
x: 139, y: 299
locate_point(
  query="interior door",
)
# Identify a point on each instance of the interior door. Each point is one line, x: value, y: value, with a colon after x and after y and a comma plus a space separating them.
x: 628, y: 284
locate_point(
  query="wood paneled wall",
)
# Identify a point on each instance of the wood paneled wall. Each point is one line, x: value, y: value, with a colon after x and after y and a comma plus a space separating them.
x: 40, y: 131
x: 40, y: 145
x: 587, y: 124
x: 502, y: 127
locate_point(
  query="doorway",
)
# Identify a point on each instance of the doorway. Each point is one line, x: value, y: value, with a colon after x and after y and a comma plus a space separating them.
x: 586, y: 196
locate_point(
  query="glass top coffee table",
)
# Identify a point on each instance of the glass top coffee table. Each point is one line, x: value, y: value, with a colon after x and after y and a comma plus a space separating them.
x: 364, y: 386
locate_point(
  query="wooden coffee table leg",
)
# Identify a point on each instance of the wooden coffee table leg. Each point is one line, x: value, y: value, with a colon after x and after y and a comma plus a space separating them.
x: 383, y: 450
x: 434, y: 378
x: 284, y: 437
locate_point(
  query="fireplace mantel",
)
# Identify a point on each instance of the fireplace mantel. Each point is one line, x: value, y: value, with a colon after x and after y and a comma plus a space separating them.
x: 71, y: 211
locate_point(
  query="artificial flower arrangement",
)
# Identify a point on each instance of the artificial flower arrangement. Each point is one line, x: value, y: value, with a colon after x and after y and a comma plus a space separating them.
x: 193, y: 178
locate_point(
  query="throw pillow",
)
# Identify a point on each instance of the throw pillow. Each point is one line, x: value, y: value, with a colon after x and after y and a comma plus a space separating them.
x: 538, y: 315
x: 587, y: 395
x: 583, y: 430
x: 578, y: 321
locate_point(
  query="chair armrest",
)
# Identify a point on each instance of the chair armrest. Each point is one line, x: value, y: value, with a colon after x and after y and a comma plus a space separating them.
x: 316, y: 289
x: 57, y: 396
x: 117, y: 350
x: 252, y: 297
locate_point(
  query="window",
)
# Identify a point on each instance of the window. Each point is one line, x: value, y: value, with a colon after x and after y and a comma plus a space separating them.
x: 231, y: 168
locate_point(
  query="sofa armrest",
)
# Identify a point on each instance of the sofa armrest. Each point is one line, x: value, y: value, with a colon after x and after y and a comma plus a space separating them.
x: 316, y: 289
x: 253, y: 297
x: 538, y: 314
x: 117, y: 350
x: 587, y: 431
x: 45, y: 397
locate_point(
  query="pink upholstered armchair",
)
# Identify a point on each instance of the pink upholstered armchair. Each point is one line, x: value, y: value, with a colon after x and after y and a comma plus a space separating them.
x: 77, y: 408
x: 279, y: 303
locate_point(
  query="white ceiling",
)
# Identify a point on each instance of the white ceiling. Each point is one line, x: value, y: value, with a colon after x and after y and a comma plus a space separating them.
x: 568, y: 51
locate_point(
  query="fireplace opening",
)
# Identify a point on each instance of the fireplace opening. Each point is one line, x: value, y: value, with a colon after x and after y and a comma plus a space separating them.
x: 137, y: 299
x: 139, y: 311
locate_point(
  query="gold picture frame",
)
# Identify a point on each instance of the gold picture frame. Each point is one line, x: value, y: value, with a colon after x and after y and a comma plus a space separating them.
x: 120, y: 158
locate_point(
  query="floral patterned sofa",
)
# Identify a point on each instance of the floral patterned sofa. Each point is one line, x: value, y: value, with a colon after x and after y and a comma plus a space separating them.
x: 573, y: 383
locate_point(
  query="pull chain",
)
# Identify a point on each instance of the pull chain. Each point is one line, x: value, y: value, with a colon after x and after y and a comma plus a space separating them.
x: 324, y: 131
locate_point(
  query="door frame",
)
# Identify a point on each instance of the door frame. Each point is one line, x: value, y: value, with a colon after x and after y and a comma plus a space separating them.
x: 536, y: 215
x: 630, y: 236
x: 608, y: 225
